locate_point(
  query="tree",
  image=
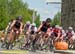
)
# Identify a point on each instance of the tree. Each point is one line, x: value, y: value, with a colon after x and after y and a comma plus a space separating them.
x: 20, y: 8
x: 4, y: 15
x: 10, y: 9
x: 56, y: 20
x: 37, y: 20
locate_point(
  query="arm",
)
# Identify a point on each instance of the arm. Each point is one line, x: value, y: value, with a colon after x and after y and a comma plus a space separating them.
x: 21, y: 27
x: 58, y: 36
x: 39, y: 28
x: 12, y: 24
x: 49, y: 31
x: 7, y: 28
x: 35, y: 29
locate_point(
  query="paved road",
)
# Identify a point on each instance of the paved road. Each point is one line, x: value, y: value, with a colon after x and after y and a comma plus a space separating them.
x: 15, y: 50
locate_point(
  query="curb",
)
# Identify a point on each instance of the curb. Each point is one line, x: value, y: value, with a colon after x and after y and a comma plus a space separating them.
x: 65, y: 51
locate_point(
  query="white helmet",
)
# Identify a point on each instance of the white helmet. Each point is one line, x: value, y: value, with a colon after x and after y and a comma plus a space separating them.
x: 33, y: 24
x: 70, y: 28
x: 28, y: 22
x: 56, y: 26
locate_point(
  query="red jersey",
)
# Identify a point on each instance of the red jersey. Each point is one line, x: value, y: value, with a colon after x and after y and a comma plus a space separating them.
x: 56, y: 31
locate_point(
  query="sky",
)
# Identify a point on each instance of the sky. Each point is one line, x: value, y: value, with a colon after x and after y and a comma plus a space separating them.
x: 45, y: 10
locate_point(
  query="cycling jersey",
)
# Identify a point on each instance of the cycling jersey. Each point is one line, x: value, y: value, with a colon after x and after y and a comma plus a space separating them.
x: 45, y: 27
x: 69, y: 34
x: 26, y: 28
x: 17, y: 24
x: 33, y: 29
x: 56, y: 31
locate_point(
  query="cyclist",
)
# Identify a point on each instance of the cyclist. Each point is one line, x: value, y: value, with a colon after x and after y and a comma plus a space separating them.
x: 33, y: 28
x: 44, y: 29
x: 32, y: 31
x: 70, y: 34
x: 16, y: 29
x: 63, y: 33
x: 7, y: 30
x: 56, y: 32
x: 26, y: 33
x: 17, y: 26
x: 26, y: 27
x: 8, y: 26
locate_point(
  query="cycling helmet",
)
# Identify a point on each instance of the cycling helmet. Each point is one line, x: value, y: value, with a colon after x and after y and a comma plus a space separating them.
x: 33, y: 24
x: 70, y: 28
x: 19, y: 18
x: 28, y: 22
x: 56, y: 26
x: 48, y: 20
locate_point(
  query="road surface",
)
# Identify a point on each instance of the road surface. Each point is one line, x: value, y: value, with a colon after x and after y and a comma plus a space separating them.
x: 15, y: 50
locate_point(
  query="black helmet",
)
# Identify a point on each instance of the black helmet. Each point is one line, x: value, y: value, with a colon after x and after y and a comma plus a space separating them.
x: 19, y: 18
x: 48, y: 20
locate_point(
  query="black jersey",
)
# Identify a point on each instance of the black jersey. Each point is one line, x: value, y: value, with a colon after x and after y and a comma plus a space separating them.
x: 17, y: 24
x: 45, y: 27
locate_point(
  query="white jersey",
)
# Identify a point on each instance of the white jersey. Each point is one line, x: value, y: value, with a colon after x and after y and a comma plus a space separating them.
x: 72, y: 32
x: 33, y: 29
x: 63, y: 33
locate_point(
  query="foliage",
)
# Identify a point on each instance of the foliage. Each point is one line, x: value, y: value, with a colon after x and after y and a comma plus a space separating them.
x: 37, y: 20
x: 10, y: 9
x: 56, y: 20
